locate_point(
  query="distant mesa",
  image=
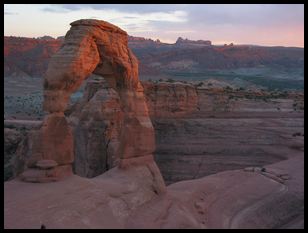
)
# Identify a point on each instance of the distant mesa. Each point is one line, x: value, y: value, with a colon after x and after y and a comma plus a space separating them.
x: 136, y: 38
x: 60, y: 37
x: 231, y: 44
x: 132, y: 39
x: 181, y: 41
x: 46, y: 38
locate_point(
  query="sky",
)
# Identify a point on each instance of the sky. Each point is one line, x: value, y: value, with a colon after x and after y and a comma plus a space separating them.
x: 258, y: 24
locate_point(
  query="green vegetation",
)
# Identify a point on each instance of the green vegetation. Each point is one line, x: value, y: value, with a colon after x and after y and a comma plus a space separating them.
x: 199, y: 84
x: 297, y: 134
x: 270, y: 78
x: 228, y: 88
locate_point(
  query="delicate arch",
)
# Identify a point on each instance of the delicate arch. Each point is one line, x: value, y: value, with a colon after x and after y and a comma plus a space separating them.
x: 89, y: 46
x: 93, y: 46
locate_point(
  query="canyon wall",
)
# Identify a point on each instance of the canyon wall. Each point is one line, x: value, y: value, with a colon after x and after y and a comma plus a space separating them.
x: 170, y: 99
x: 203, y: 131
x: 229, y: 129
x: 198, y: 131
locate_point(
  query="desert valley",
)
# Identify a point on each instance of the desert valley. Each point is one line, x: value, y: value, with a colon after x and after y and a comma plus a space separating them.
x: 107, y: 130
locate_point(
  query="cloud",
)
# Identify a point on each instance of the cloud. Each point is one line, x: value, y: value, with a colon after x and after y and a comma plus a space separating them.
x: 243, y: 23
x: 145, y: 8
x: 133, y: 18
x: 197, y: 16
x: 142, y: 22
x: 246, y: 14
x: 216, y: 14
x: 50, y: 9
x: 10, y: 13
x: 181, y: 31
x: 54, y: 9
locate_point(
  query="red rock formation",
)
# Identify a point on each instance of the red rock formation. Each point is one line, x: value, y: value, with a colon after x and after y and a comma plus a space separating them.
x: 97, y: 121
x: 98, y: 47
x: 170, y: 99
x: 28, y: 56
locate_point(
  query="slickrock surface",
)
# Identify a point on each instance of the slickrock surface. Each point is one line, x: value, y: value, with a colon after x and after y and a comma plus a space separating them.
x: 121, y: 199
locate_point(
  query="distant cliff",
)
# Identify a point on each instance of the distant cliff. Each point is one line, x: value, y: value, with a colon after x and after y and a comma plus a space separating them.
x: 30, y: 56
x: 181, y: 41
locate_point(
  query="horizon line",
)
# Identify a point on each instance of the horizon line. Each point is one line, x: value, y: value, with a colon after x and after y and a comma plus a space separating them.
x: 170, y: 43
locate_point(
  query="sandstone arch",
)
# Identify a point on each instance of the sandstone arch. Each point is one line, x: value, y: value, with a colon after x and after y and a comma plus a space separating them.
x: 92, y: 46
x: 89, y: 46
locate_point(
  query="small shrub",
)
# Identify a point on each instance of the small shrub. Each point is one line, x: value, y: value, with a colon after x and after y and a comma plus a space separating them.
x: 296, y: 134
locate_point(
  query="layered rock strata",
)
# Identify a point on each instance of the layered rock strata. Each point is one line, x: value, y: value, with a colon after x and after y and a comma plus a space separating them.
x: 166, y: 100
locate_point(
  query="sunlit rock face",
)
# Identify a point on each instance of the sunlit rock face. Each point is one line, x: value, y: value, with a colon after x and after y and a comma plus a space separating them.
x: 100, y: 48
x: 99, y: 113
x: 170, y: 99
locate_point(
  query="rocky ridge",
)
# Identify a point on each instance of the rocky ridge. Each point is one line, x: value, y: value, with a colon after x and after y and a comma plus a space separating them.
x: 29, y: 57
